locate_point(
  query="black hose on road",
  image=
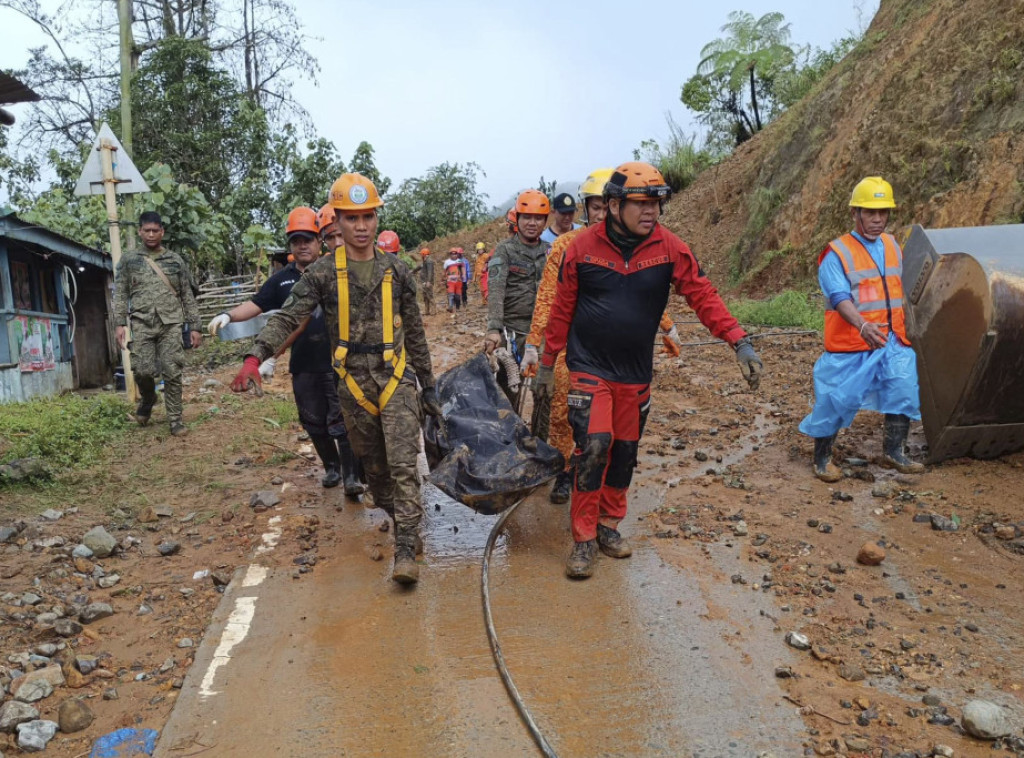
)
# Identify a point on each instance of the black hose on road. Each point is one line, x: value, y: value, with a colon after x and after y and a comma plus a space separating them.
x: 492, y: 636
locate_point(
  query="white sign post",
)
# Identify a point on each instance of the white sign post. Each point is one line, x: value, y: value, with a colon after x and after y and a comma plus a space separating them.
x: 108, y: 170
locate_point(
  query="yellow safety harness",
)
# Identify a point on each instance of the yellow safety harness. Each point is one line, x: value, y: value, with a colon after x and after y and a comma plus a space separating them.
x: 341, y: 351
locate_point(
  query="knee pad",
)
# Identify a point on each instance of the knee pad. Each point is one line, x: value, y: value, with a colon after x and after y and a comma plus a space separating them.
x: 621, y: 463
x: 590, y: 461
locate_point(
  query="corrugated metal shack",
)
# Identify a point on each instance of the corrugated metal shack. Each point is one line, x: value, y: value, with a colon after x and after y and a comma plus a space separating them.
x: 55, y: 305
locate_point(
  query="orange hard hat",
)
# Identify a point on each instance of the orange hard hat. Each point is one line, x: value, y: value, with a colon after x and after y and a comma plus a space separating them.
x: 637, y: 180
x: 533, y: 201
x: 510, y: 218
x: 325, y: 217
x: 302, y: 220
x: 354, y: 192
x: 425, y: 252
x: 388, y: 242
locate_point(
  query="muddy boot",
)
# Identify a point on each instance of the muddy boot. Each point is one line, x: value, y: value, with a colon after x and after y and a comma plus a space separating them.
x: 406, y: 570
x: 351, y: 469
x: 824, y: 468
x: 561, y: 490
x: 178, y: 428
x: 894, y: 445
x: 612, y: 543
x: 580, y: 564
x: 328, y: 453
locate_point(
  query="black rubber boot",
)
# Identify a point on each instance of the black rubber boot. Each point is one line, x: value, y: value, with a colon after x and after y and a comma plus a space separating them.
x: 824, y: 468
x: 406, y: 570
x: 147, y: 392
x: 351, y: 468
x: 894, y: 445
x: 328, y: 453
x: 612, y: 543
x: 561, y: 490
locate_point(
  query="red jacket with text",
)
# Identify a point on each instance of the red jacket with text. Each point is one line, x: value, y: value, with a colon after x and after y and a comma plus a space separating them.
x: 607, y: 308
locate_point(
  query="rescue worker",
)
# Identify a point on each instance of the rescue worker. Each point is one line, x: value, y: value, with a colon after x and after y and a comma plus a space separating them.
x: 427, y: 281
x: 612, y: 290
x: 513, y: 277
x: 563, y: 220
x: 467, y: 276
x: 313, y: 385
x: 388, y: 242
x: 868, y: 363
x: 330, y: 232
x: 453, y: 280
x: 153, y: 288
x: 481, y: 269
x: 559, y: 432
x: 380, y: 331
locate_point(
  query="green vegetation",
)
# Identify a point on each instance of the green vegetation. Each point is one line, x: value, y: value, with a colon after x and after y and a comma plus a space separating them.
x: 679, y: 159
x: 69, y: 431
x: 442, y: 202
x: 787, y: 309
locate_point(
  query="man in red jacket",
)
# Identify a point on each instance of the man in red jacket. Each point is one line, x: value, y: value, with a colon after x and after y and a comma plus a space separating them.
x: 612, y: 290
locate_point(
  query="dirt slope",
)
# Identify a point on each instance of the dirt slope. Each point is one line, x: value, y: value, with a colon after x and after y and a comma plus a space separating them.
x: 931, y: 99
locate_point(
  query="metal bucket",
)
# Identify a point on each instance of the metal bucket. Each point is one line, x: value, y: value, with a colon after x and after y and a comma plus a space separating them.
x: 238, y: 330
x: 965, y: 318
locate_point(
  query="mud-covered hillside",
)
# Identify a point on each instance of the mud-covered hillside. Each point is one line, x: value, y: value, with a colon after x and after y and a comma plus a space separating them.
x: 932, y: 99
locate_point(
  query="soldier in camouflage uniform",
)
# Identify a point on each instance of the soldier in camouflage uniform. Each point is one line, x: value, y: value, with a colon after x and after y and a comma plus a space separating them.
x: 385, y: 438
x: 514, y: 273
x: 426, y: 272
x: 158, y: 304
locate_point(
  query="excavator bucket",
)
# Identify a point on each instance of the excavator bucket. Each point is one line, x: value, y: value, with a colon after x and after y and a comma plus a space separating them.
x: 965, y: 318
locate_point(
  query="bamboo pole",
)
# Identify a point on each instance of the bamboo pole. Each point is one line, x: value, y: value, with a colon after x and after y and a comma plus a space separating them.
x: 124, y: 17
x: 114, y: 228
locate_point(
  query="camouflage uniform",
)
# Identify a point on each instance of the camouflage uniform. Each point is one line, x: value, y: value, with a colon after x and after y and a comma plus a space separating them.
x: 387, y: 444
x: 513, y: 275
x: 157, y: 316
x: 426, y: 272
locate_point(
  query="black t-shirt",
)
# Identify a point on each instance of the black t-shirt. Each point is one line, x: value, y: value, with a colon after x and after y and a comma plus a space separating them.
x: 311, y: 352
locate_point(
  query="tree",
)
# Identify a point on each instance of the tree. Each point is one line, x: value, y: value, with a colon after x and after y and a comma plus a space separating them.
x: 736, y: 73
x: 362, y: 163
x: 441, y: 202
x: 548, y: 188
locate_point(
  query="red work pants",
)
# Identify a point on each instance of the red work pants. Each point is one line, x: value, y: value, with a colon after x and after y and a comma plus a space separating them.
x: 607, y: 420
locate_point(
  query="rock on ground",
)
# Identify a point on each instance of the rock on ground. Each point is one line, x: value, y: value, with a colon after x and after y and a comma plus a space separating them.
x: 985, y: 720
x: 33, y: 735
x: 870, y: 554
x: 100, y: 541
x: 13, y: 713
x: 74, y: 716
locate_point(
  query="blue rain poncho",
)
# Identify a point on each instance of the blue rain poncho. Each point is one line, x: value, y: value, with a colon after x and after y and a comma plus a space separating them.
x: 882, y: 380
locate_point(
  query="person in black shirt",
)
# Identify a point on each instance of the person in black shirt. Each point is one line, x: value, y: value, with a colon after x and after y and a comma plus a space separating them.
x: 313, y: 378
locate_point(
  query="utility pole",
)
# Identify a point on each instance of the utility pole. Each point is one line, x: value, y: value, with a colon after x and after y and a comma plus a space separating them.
x: 124, y: 17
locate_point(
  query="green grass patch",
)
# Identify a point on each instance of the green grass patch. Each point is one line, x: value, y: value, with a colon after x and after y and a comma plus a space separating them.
x: 69, y: 431
x: 787, y: 309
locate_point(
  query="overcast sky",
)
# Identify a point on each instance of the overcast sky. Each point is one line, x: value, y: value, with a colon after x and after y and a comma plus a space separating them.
x: 523, y: 88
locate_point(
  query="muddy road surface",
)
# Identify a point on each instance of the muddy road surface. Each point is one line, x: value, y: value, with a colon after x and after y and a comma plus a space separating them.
x: 680, y: 650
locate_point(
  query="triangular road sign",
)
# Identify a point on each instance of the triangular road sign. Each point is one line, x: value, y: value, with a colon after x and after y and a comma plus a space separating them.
x: 129, y: 180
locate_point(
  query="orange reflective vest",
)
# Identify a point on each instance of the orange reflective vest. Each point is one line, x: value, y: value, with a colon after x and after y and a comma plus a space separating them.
x: 877, y: 294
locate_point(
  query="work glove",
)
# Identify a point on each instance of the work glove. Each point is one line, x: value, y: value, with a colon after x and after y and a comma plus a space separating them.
x: 531, y: 360
x: 250, y: 374
x: 491, y: 341
x: 544, y: 384
x: 267, y: 369
x: 217, y: 323
x: 672, y: 334
x: 431, y: 405
x: 750, y: 364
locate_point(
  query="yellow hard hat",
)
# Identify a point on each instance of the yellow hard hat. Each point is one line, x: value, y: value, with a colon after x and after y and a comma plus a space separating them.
x: 872, y: 192
x: 354, y: 192
x: 593, y: 185
x: 480, y: 246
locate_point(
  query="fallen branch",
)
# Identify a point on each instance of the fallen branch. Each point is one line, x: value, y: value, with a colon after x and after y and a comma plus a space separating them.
x: 812, y: 709
x: 302, y: 458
